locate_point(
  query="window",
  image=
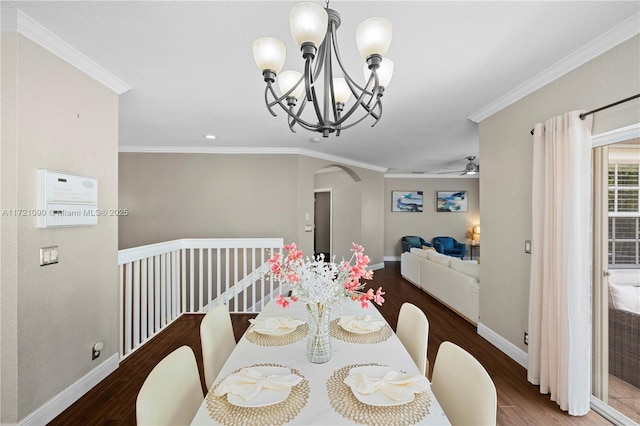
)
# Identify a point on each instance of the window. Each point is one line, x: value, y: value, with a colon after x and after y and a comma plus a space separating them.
x: 624, y: 214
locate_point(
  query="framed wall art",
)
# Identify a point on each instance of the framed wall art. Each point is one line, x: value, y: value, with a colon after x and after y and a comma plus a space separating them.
x: 452, y: 201
x: 406, y: 201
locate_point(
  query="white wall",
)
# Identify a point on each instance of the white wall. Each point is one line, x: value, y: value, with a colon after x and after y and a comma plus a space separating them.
x: 505, y: 186
x: 58, y: 118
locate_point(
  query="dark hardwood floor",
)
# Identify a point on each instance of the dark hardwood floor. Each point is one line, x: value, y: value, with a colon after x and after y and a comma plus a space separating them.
x: 519, y: 403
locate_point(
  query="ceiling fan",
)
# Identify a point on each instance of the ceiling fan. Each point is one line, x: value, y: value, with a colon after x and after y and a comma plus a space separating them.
x: 470, y: 169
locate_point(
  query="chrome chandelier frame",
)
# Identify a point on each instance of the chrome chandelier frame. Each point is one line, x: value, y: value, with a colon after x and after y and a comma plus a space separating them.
x: 369, y: 100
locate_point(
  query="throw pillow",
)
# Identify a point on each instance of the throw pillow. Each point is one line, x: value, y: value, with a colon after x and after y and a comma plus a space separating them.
x: 626, y: 297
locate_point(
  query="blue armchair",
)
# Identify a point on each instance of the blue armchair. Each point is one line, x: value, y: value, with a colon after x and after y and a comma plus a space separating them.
x: 449, y: 246
x: 409, y: 242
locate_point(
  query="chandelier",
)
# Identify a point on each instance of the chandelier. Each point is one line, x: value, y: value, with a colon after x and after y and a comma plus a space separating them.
x: 314, y: 29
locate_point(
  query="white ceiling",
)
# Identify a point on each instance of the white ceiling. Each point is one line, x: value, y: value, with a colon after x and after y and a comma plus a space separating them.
x: 191, y: 70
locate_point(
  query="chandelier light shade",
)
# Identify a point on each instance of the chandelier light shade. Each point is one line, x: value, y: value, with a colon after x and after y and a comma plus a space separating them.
x: 288, y: 80
x: 269, y: 53
x: 385, y: 72
x: 341, y: 89
x: 373, y: 37
x: 314, y: 29
x: 308, y: 23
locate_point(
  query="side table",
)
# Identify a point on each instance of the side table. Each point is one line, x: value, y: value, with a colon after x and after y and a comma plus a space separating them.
x: 473, y: 246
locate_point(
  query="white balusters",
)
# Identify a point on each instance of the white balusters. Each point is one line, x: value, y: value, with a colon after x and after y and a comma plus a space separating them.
x: 160, y: 282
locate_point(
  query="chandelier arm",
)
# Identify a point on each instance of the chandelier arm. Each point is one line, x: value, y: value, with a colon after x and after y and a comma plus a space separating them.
x: 329, y: 92
x: 379, y: 115
x: 314, y: 100
x: 266, y: 99
x: 307, y: 79
x: 286, y: 109
x: 361, y: 95
x: 359, y: 102
x: 376, y: 91
x: 371, y: 113
x: 292, y: 122
x: 319, y: 64
x: 355, y: 90
x: 294, y: 116
x: 336, y: 51
x: 277, y: 99
x: 334, y: 108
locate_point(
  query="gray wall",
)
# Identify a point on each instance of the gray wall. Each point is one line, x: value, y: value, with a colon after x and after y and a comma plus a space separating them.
x: 55, y: 117
x: 171, y: 196
x: 346, y: 200
x: 505, y: 186
x: 429, y: 223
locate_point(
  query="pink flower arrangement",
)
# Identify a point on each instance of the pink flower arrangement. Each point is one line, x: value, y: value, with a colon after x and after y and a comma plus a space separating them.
x: 320, y: 282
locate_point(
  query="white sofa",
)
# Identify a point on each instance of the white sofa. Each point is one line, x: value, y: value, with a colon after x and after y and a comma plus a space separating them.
x: 452, y: 281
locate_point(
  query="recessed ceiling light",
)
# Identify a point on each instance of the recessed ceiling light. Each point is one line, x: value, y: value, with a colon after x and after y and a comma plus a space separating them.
x: 210, y: 136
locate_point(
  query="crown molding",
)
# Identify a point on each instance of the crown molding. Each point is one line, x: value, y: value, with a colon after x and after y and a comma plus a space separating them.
x: 249, y: 150
x: 15, y: 20
x: 620, y: 33
x: 428, y: 176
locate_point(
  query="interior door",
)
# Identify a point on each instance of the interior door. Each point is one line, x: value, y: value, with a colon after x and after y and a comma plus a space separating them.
x: 322, y: 226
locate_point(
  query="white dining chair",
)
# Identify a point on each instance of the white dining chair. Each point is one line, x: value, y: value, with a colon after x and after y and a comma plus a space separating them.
x: 413, y: 332
x: 218, y: 341
x: 463, y: 387
x: 172, y: 392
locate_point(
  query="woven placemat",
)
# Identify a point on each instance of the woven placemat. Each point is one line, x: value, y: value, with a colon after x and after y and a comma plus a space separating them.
x: 345, y: 403
x: 340, y: 333
x: 286, y: 339
x: 223, y: 412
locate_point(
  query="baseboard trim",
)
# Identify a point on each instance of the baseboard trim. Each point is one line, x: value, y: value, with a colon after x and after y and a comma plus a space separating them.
x: 392, y: 259
x: 376, y: 266
x: 56, y: 405
x: 511, y: 350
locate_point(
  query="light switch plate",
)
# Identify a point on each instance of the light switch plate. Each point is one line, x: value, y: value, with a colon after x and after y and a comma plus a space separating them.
x: 527, y: 246
x: 48, y: 255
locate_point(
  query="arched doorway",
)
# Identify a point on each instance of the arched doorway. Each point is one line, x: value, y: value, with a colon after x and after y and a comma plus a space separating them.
x: 337, y: 210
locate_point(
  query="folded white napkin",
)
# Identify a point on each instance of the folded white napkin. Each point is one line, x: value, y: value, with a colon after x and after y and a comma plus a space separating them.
x: 248, y: 382
x: 361, y: 323
x: 275, y: 325
x: 395, y: 385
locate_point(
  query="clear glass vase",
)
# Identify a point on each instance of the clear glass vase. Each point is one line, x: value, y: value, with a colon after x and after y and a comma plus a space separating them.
x: 318, y: 340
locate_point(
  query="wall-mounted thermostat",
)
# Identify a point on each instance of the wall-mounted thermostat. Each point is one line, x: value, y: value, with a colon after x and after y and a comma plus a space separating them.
x: 66, y: 200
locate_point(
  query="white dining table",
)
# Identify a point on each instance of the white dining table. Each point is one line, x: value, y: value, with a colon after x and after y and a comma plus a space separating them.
x: 318, y: 409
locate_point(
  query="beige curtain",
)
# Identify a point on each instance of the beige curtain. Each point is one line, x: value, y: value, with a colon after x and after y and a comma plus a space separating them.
x: 560, y: 287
